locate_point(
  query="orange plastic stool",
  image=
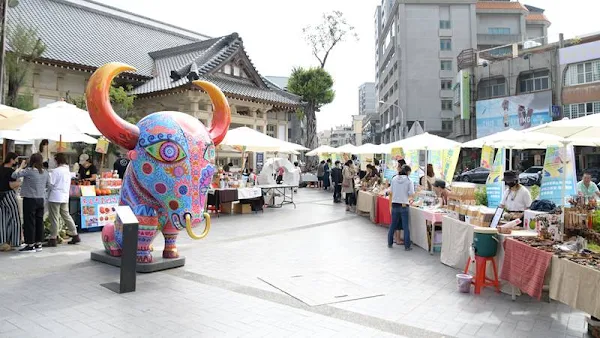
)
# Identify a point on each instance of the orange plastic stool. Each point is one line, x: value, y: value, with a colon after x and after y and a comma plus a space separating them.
x: 480, y: 279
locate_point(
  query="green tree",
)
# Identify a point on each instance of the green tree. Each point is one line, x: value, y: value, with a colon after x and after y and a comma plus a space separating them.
x: 333, y: 29
x: 24, y: 46
x: 315, y: 87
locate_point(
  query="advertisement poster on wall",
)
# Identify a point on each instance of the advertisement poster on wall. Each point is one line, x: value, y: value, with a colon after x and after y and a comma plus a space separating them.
x: 559, y: 161
x: 495, y: 181
x: 487, y: 157
x: 516, y: 112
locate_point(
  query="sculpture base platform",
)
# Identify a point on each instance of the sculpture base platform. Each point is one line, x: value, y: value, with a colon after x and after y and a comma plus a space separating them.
x: 159, y: 263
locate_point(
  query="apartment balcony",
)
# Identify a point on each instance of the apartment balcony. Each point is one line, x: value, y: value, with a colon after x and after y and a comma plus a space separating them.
x: 447, y: 93
x: 497, y: 39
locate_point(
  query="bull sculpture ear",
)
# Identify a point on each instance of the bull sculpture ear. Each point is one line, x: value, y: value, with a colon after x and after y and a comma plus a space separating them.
x: 221, y: 112
x: 106, y: 120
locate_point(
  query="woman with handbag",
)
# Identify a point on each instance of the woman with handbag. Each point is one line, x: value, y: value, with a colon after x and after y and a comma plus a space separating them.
x: 348, y: 174
x: 10, y: 220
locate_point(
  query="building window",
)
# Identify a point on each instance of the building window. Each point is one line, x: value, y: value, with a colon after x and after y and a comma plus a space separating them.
x: 446, y: 104
x: 576, y: 110
x: 236, y: 71
x: 271, y: 130
x: 447, y: 125
x: 446, y: 65
x: 445, y: 24
x: 499, y: 31
x: 492, y: 88
x: 581, y: 73
x: 501, y: 51
x: 446, y: 84
x: 534, y: 81
x: 445, y: 44
x: 227, y: 69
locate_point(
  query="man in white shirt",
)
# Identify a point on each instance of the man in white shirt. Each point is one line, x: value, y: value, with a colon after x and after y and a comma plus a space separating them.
x: 58, y: 201
x: 516, y: 197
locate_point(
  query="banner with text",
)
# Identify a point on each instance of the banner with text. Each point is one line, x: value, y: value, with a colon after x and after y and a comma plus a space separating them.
x: 435, y: 157
x: 412, y: 159
x: 559, y: 166
x: 487, y: 157
x: 495, y: 181
x: 450, y: 160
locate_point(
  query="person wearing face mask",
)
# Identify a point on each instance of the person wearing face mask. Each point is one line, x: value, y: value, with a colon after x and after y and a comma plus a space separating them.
x: 516, y: 197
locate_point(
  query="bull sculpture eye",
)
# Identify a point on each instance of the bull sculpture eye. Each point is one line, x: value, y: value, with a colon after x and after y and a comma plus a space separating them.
x: 209, y: 152
x: 166, y: 151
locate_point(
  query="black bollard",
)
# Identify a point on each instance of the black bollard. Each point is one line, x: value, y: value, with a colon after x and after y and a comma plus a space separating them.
x: 129, y: 255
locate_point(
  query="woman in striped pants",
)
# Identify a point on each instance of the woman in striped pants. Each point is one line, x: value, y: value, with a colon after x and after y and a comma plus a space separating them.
x: 10, y: 221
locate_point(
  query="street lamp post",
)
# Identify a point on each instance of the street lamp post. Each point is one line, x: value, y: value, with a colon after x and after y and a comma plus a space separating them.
x: 402, y: 122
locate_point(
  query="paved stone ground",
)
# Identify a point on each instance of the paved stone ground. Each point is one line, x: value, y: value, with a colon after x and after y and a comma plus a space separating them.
x: 56, y: 293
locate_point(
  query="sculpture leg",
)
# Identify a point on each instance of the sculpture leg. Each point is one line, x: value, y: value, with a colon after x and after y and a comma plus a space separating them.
x: 108, y: 239
x: 148, y: 225
x: 170, y: 234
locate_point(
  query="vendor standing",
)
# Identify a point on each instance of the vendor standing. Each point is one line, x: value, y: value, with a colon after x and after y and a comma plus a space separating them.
x: 586, y: 188
x: 439, y: 187
x: 87, y: 170
x: 516, y: 197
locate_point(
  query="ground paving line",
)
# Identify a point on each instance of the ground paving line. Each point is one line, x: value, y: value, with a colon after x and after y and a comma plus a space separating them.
x: 325, y: 310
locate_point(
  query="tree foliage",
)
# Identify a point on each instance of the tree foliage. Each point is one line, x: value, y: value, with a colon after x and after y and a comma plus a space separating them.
x: 315, y: 86
x: 24, y: 46
x: 322, y: 38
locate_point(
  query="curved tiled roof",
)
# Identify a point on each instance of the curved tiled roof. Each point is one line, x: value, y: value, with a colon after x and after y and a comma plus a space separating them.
x: 90, y: 34
x: 177, y: 67
x: 536, y: 17
x: 500, y: 5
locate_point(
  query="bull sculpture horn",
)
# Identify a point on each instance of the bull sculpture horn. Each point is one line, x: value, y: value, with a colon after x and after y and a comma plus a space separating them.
x: 221, y: 111
x: 106, y: 120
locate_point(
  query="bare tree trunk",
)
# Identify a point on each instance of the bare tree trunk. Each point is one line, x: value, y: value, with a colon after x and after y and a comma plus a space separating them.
x: 311, y: 135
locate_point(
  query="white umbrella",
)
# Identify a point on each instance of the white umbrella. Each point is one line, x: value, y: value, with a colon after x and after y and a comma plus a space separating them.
x: 13, y: 118
x: 575, y: 129
x: 369, y: 148
x: 346, y: 149
x: 244, y: 138
x: 59, y: 118
x: 516, y: 139
x: 321, y: 150
x: 425, y: 141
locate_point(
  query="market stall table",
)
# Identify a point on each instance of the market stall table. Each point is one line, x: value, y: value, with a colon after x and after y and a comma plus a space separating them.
x: 457, y: 239
x: 279, y: 190
x: 382, y: 206
x: 419, y: 233
x: 525, y: 267
x: 366, y: 203
x: 575, y: 285
x: 216, y: 197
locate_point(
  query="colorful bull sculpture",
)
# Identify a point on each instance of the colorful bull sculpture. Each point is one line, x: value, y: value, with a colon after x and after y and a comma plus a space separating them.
x: 172, y: 164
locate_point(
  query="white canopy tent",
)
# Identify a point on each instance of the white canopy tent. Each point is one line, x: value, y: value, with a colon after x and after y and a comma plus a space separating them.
x: 325, y: 149
x: 13, y: 118
x: 425, y: 141
x: 60, y: 121
x: 369, y: 148
x: 255, y: 141
x: 345, y: 149
x: 575, y: 129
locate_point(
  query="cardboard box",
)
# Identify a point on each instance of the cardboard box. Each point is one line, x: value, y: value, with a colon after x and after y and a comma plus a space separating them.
x: 239, y: 208
x: 226, y: 208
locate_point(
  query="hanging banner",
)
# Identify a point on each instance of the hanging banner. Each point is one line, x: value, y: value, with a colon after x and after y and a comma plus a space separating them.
x: 495, y: 181
x: 559, y: 164
x: 364, y: 160
x: 450, y: 160
x: 412, y: 159
x: 436, y: 160
x: 487, y: 157
x: 323, y: 156
x: 397, y: 154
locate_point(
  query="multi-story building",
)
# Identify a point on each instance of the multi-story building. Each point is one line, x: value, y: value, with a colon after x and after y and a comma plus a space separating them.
x: 341, y: 135
x: 357, y: 126
x: 417, y: 44
x: 366, y: 98
x: 324, y: 137
x: 534, y: 86
x: 167, y: 59
x: 296, y: 123
x: 371, y: 129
